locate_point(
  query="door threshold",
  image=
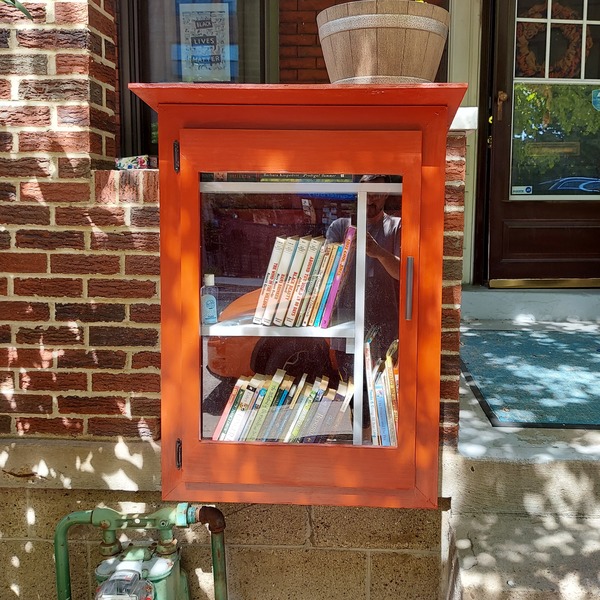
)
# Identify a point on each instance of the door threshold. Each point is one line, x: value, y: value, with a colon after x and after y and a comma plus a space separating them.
x: 544, y: 283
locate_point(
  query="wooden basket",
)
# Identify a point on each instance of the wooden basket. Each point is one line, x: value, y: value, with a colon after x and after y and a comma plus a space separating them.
x: 383, y: 41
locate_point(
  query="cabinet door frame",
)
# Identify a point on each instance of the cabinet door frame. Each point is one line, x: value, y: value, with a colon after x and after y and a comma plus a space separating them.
x: 372, y: 124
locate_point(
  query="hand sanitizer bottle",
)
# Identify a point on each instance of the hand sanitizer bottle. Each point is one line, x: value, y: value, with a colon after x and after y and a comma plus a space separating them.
x: 208, y: 297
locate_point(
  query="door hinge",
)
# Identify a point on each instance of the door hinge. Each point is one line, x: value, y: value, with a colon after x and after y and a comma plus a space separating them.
x: 178, y: 453
x: 176, y: 156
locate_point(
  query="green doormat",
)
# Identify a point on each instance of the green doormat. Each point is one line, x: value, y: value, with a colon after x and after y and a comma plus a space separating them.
x: 535, y: 378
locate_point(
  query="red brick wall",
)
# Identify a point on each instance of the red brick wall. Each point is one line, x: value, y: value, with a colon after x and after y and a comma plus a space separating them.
x: 300, y: 55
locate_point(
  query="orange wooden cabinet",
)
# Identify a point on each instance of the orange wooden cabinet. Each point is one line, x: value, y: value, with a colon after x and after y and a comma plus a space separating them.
x: 322, y: 129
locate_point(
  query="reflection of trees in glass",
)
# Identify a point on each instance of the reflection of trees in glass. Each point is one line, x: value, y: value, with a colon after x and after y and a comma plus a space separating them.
x: 555, y: 133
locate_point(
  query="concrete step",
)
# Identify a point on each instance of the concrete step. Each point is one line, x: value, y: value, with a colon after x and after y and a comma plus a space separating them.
x: 525, y: 513
x: 509, y: 557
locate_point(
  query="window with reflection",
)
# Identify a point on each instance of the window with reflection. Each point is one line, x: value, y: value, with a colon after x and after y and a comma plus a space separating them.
x: 556, y: 100
x: 304, y: 270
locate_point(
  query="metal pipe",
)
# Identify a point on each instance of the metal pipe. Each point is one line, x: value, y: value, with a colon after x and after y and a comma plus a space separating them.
x: 61, y: 551
x: 215, y: 520
x: 109, y: 521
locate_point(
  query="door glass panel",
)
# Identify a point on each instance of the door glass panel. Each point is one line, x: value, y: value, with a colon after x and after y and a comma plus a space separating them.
x: 567, y: 9
x: 565, y: 50
x: 593, y: 11
x: 303, y: 345
x: 530, y: 60
x: 556, y: 141
x: 592, y: 61
x: 555, y: 124
x: 532, y: 9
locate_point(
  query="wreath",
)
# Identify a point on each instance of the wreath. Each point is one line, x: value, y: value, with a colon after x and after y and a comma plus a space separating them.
x: 568, y: 66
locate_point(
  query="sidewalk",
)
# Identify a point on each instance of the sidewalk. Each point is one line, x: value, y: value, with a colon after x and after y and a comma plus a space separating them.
x: 525, y: 516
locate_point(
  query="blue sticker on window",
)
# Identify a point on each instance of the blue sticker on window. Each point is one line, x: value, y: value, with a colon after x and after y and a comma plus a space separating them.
x: 596, y: 99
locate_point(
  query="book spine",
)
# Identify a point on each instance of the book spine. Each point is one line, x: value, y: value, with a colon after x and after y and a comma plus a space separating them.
x: 244, y: 404
x: 307, y: 268
x: 232, y: 412
x: 276, y: 408
x: 266, y: 405
x: 390, y: 379
x: 298, y: 409
x: 291, y: 281
x: 316, y: 292
x: 265, y: 291
x: 253, y: 411
x: 389, y: 409
x: 334, y: 430
x: 286, y: 258
x: 316, y: 426
x: 371, y: 392
x: 236, y: 388
x: 328, y: 284
x: 310, y: 286
x: 381, y: 410
x: 310, y: 414
x: 339, y: 274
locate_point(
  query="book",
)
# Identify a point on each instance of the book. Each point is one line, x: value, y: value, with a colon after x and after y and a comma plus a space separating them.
x: 310, y: 286
x: 289, y: 248
x: 267, y: 285
x: 217, y: 432
x: 328, y: 284
x: 327, y: 251
x: 287, y: 412
x: 322, y: 281
x: 233, y: 408
x: 335, y: 432
x: 389, y: 409
x: 278, y: 402
x: 300, y: 409
x: 309, y: 413
x: 291, y: 280
x: 371, y: 385
x: 391, y: 362
x: 243, y: 409
x: 307, y: 268
x: 254, y: 409
x: 384, y: 431
x: 316, y: 426
x: 330, y: 417
x: 263, y: 410
x: 341, y: 273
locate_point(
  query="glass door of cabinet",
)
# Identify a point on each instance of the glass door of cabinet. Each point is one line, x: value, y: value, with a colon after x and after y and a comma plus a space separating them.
x: 304, y: 273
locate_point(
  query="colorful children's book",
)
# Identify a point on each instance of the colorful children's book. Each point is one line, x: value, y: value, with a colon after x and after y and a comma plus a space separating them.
x: 310, y: 286
x: 307, y: 268
x: 244, y: 408
x: 371, y: 385
x: 341, y: 273
x: 328, y: 284
x: 242, y: 381
x: 263, y: 411
x: 320, y: 283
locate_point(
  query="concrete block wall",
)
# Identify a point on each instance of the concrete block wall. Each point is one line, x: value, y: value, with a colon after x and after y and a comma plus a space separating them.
x: 80, y: 342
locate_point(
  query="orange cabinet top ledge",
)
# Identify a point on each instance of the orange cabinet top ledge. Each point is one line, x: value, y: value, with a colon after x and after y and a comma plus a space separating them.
x: 425, y: 94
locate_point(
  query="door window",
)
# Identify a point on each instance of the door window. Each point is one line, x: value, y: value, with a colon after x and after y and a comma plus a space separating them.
x: 556, y: 100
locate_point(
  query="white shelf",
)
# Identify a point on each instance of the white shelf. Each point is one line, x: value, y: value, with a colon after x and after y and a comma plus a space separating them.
x: 244, y: 327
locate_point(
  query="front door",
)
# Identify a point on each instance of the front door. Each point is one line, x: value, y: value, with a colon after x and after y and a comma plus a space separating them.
x: 544, y: 171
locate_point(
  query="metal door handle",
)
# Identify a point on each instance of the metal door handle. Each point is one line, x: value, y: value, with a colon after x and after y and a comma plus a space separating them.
x: 502, y: 98
x: 410, y: 271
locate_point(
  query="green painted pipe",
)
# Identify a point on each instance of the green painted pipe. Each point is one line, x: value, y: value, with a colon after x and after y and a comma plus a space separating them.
x: 164, y: 520
x: 61, y: 551
x: 217, y: 541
